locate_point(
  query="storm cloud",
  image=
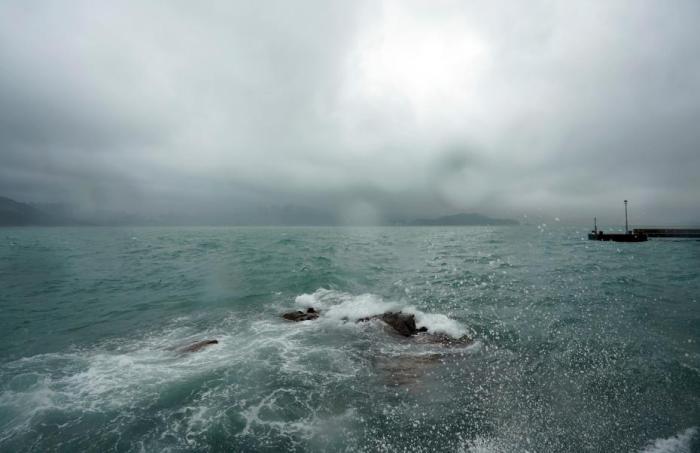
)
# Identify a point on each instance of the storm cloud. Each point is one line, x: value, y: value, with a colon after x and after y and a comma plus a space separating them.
x: 369, y: 110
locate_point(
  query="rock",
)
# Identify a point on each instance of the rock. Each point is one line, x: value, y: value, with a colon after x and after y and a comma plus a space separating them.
x: 199, y: 346
x: 297, y: 316
x: 402, y: 323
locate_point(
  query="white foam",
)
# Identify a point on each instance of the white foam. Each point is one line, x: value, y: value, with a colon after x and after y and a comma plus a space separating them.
x: 680, y: 443
x: 126, y: 375
x: 308, y: 300
x: 359, y: 307
x: 342, y: 307
x: 437, y: 323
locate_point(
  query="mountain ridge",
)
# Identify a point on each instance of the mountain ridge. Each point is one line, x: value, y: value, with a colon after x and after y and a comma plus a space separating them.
x: 466, y: 219
x: 16, y: 213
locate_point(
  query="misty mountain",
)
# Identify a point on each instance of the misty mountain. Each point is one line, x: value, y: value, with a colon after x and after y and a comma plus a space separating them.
x: 464, y: 219
x: 265, y: 215
x: 14, y: 213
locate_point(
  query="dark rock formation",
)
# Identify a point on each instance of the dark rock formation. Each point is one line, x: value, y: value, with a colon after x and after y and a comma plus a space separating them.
x: 301, y: 316
x: 402, y: 323
x: 199, y: 346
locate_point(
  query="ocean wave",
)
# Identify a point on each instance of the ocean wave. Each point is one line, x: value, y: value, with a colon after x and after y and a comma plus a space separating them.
x: 245, y: 384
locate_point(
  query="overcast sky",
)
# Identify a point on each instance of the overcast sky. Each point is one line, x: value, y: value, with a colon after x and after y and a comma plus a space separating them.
x: 369, y: 109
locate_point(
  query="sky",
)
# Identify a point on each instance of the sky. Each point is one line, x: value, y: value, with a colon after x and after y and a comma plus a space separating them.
x: 369, y: 110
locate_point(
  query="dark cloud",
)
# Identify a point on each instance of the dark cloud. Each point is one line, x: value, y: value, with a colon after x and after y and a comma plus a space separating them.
x: 371, y: 110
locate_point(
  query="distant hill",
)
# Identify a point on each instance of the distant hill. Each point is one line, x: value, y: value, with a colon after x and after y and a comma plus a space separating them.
x: 463, y: 219
x: 14, y: 213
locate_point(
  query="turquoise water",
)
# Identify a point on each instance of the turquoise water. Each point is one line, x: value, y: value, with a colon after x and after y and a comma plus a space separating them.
x: 580, y: 346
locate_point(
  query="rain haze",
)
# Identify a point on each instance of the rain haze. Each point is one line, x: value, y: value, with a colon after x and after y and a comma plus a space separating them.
x: 350, y: 226
x: 353, y: 112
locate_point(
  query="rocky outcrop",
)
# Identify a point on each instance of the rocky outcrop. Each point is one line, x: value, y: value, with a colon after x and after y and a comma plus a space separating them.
x: 402, y: 323
x: 297, y: 316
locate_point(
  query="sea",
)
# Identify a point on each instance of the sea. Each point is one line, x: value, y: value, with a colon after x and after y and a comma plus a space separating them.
x: 578, y: 346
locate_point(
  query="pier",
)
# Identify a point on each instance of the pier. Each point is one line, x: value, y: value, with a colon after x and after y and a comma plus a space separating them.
x: 627, y: 236
x: 617, y: 237
x: 669, y: 232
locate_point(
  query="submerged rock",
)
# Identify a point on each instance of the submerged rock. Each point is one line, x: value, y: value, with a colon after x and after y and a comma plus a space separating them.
x: 301, y: 316
x: 406, y: 370
x: 443, y: 340
x: 199, y: 346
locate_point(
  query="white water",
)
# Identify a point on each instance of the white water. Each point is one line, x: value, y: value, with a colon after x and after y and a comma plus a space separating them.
x: 680, y: 443
x: 230, y: 378
x: 129, y: 377
x: 343, y: 307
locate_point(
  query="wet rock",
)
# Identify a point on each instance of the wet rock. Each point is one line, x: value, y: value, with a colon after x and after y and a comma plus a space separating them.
x: 297, y: 316
x: 199, y: 346
x: 403, y: 323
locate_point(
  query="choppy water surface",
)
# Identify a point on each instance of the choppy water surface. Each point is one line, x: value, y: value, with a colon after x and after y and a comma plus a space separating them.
x: 580, y: 346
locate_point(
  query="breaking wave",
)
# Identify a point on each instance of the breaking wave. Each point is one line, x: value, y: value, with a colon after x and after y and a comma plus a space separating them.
x: 266, y: 380
x: 342, y: 307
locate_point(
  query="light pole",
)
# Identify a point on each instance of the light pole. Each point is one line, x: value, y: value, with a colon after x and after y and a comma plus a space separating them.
x: 626, y: 227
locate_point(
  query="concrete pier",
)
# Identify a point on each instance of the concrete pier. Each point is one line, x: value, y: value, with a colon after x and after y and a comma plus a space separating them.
x: 617, y: 237
x: 669, y: 232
